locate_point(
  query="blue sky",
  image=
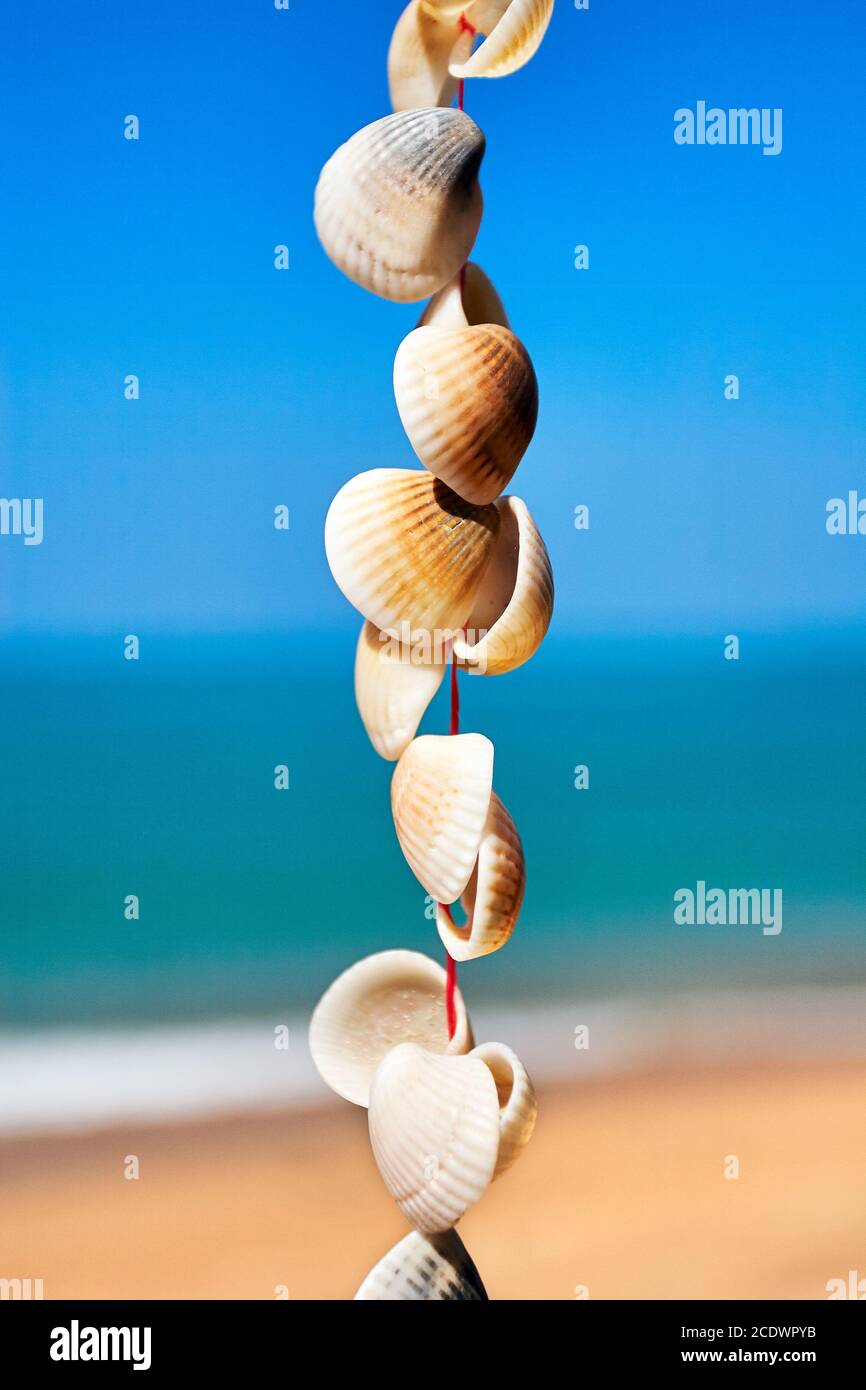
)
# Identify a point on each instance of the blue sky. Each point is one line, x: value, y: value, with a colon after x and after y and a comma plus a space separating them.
x: 261, y: 387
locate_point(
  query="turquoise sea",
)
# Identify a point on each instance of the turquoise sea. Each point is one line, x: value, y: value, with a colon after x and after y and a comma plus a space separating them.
x: 156, y: 778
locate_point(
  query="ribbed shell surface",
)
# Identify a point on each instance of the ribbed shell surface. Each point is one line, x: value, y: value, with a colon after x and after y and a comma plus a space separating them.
x: 434, y: 1128
x: 404, y: 548
x: 398, y: 206
x: 419, y: 1268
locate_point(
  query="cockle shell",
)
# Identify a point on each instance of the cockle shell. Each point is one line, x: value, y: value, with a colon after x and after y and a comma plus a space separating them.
x: 434, y: 1128
x: 407, y: 551
x: 514, y: 28
x: 518, y: 1107
x: 385, y: 999
x: 442, y: 1127
x: 467, y: 396
x: 494, y: 894
x: 422, y: 46
x: 435, y: 1267
x: 398, y: 206
x: 440, y: 797
x: 474, y: 300
x: 515, y: 602
x: 449, y: 7
x: 392, y: 689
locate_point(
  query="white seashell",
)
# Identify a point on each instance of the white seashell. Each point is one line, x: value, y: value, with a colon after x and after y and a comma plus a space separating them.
x: 398, y: 206
x: 466, y: 393
x: 517, y: 1104
x: 434, y: 1128
x: 408, y: 552
x: 422, y: 45
x: 449, y: 7
x: 494, y: 894
x: 388, y: 998
x: 514, y: 605
x: 514, y: 28
x: 435, y: 1267
x: 392, y: 689
x: 440, y: 797
x: 469, y: 298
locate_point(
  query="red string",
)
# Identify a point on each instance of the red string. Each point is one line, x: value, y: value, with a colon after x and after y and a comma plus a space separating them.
x: 465, y: 28
x: 450, y: 963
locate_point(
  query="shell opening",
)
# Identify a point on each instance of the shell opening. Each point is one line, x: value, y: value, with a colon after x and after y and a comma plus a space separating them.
x: 502, y: 1072
x: 500, y: 578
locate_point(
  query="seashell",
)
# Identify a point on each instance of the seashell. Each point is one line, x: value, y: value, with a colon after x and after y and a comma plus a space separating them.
x: 466, y: 393
x: 514, y: 28
x: 515, y: 602
x: 494, y: 894
x: 440, y: 797
x: 392, y: 689
x: 435, y: 1267
x: 443, y: 1127
x: 517, y: 1104
x: 473, y: 301
x: 434, y: 1128
x: 408, y: 552
x: 388, y: 998
x: 449, y: 7
x: 422, y: 45
x: 398, y: 206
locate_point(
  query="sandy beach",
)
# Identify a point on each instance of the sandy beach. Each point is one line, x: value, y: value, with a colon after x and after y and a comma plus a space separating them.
x: 622, y: 1191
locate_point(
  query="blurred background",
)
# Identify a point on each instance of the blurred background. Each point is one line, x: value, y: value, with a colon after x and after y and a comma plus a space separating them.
x: 154, y: 1036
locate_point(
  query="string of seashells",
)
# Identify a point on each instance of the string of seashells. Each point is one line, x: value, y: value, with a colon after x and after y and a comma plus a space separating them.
x: 422, y: 554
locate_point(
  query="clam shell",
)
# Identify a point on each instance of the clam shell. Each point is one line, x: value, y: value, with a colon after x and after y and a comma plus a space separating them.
x: 388, y: 998
x: 392, y: 689
x: 434, y: 1128
x: 449, y: 7
x: 470, y: 297
x: 467, y: 396
x: 432, y: 1268
x: 494, y: 894
x: 406, y: 550
x: 514, y: 31
x: 515, y: 602
x: 398, y: 206
x: 422, y: 45
x: 517, y: 1103
x: 440, y: 796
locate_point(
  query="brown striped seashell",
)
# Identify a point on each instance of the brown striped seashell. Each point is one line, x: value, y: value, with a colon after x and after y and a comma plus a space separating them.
x: 398, y: 206
x: 514, y: 30
x: 422, y: 46
x: 466, y: 392
x: 514, y: 605
x: 494, y: 894
x: 388, y: 998
x: 424, y: 1268
x: 407, y: 552
x: 392, y: 689
x: 442, y: 1128
x: 440, y: 798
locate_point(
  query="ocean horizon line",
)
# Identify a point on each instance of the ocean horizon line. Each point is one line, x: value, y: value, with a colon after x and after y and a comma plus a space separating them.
x: 55, y: 1080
